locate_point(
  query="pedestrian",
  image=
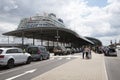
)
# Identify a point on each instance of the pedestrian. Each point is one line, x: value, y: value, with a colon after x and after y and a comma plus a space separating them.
x: 87, y: 51
x: 83, y: 52
x: 90, y: 55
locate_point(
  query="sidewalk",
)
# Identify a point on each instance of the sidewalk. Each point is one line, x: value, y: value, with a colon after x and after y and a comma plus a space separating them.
x: 78, y: 69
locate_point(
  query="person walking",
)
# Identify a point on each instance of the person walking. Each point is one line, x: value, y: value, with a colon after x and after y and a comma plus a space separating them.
x: 90, y: 55
x: 87, y: 51
x: 83, y: 52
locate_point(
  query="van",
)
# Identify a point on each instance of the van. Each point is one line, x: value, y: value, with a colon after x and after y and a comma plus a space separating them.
x: 38, y: 52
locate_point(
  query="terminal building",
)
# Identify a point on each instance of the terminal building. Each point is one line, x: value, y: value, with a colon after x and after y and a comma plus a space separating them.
x: 48, y: 28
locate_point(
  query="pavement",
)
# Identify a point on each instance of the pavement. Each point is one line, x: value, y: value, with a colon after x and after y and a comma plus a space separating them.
x: 78, y: 69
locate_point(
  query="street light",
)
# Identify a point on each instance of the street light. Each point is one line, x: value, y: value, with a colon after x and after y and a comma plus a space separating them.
x: 57, y: 37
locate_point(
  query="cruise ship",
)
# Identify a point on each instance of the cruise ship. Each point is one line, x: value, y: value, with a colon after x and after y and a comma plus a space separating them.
x: 45, y: 20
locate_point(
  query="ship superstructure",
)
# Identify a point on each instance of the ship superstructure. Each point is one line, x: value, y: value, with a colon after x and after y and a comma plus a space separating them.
x: 47, y: 20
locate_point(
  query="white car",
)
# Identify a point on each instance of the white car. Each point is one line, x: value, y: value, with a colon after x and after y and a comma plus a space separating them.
x: 111, y: 52
x: 11, y: 56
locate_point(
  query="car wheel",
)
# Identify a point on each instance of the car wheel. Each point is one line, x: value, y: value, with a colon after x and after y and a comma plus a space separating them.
x: 10, y: 63
x: 41, y: 58
x: 29, y: 60
x: 48, y: 57
x: 55, y: 54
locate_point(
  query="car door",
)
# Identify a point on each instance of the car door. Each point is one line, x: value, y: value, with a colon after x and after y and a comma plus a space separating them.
x: 22, y: 56
x: 13, y: 54
x: 43, y: 52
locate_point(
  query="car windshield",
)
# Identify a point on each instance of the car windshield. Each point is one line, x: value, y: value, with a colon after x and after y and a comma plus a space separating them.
x: 63, y: 48
x: 1, y: 51
x: 112, y: 50
x: 33, y: 50
x: 43, y: 49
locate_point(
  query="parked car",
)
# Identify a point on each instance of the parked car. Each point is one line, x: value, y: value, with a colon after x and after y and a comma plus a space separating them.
x: 111, y: 52
x: 73, y: 50
x: 77, y: 50
x: 118, y: 47
x: 59, y: 50
x: 69, y: 51
x: 11, y: 56
x: 38, y: 52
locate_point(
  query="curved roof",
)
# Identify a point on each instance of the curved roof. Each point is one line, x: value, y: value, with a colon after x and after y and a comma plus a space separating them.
x: 47, y: 27
x: 50, y: 33
x: 95, y: 41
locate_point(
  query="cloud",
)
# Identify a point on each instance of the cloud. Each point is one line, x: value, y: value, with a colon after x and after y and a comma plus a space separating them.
x: 8, y: 5
x: 5, y: 27
x: 94, y: 21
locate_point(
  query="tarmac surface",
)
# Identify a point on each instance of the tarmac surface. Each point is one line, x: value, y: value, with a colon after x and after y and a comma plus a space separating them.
x: 78, y: 69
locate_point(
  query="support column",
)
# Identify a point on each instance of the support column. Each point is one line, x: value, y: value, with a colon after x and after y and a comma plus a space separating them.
x: 48, y: 45
x: 41, y: 42
x: 70, y: 44
x: 8, y: 39
x: 22, y: 40
x: 57, y: 36
x: 33, y: 39
x: 53, y: 44
x: 41, y: 37
x: 61, y: 43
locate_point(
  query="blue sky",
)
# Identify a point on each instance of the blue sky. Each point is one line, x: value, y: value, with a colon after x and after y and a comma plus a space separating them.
x: 99, y: 3
x: 92, y: 18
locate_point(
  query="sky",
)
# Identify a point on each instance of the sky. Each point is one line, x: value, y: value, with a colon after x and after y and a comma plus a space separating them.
x: 92, y: 18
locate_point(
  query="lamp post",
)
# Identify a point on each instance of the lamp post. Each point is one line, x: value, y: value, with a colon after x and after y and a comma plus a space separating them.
x: 57, y: 36
x: 22, y: 40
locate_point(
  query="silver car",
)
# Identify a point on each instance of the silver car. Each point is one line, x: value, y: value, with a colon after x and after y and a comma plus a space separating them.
x: 11, y: 56
x: 38, y: 52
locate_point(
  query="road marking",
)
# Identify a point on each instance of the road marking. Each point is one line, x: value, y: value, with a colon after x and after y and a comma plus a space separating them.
x: 105, y: 70
x: 59, y: 58
x: 25, y: 66
x: 64, y: 57
x: 68, y: 58
x: 52, y: 58
x: 30, y: 71
x: 11, y: 70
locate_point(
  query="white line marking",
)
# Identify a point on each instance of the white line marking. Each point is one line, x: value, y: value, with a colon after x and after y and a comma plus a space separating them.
x: 68, y: 58
x: 25, y: 66
x: 105, y: 70
x: 30, y: 71
x: 52, y: 58
x: 60, y: 58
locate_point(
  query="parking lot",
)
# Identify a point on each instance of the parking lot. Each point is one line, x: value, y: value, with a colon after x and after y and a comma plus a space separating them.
x: 35, y: 68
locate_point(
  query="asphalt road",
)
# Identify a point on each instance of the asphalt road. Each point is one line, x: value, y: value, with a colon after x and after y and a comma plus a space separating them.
x: 113, y: 67
x: 27, y: 72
